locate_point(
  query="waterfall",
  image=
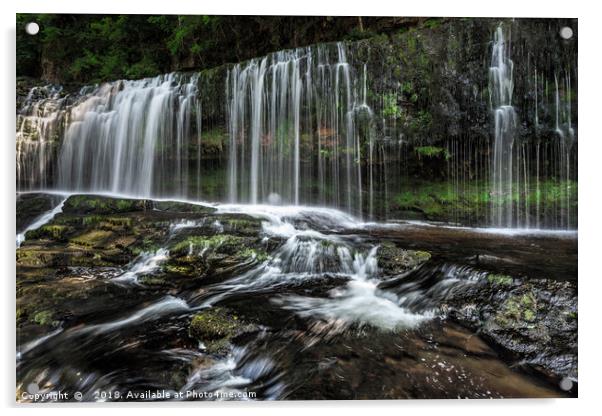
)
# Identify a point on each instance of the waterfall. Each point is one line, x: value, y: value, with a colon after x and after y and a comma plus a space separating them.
x: 129, y: 137
x: 292, y: 119
x: 296, y: 127
x: 500, y: 88
x: 38, y: 129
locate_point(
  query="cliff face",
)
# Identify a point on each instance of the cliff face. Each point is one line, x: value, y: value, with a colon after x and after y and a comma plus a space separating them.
x: 440, y: 72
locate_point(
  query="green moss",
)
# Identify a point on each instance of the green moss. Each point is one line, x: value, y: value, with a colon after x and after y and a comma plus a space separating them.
x: 260, y: 256
x: 224, y: 244
x: 517, y: 310
x: 203, y: 242
x: 91, y: 219
x: 500, y: 279
x: 93, y: 238
x: 390, y: 107
x: 91, y: 204
x: 432, y: 151
x: 213, y: 324
x: 528, y: 300
x: 182, y: 207
x: 433, y: 23
x: 21, y: 314
x: 52, y: 231
x: 44, y: 318
x: 529, y: 315
x: 421, y: 256
x: 150, y: 280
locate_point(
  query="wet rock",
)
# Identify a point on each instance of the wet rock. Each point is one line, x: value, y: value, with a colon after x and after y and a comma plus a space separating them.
x: 530, y: 321
x: 48, y: 298
x: 182, y: 207
x: 32, y: 206
x: 216, y: 327
x: 100, y: 205
x: 393, y: 260
x: 96, y: 231
x: 214, y: 257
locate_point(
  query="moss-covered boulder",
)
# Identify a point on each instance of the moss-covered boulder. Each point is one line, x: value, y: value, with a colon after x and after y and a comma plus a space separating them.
x: 182, y: 207
x: 216, y: 327
x: 532, y: 321
x: 393, y: 260
x: 101, y: 205
x: 48, y: 298
x: 214, y: 257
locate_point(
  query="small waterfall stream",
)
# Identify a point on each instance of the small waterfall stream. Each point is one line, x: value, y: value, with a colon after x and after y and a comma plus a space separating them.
x: 505, y: 123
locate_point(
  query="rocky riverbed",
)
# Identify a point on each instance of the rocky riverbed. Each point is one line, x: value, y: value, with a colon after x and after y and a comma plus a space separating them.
x: 132, y: 295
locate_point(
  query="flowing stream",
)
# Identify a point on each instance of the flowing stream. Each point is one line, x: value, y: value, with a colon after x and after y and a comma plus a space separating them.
x: 323, y: 287
x: 330, y: 156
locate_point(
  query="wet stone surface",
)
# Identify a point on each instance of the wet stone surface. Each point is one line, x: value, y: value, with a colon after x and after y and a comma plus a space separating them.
x: 130, y: 295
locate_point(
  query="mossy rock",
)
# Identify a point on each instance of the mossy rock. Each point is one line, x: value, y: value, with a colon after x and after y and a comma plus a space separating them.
x: 500, y: 279
x: 44, y: 318
x: 94, y: 238
x: 32, y: 206
x: 92, y: 204
x: 242, y: 225
x: 217, y: 327
x: 517, y: 310
x: 182, y: 207
x: 214, y: 324
x: 49, y: 231
x: 226, y: 244
x: 393, y: 260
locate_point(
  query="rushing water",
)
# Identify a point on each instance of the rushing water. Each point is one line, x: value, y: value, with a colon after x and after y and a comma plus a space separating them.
x: 505, y: 123
x: 516, y: 195
x: 301, y: 130
x: 293, y: 120
x: 123, y: 137
x: 321, y: 294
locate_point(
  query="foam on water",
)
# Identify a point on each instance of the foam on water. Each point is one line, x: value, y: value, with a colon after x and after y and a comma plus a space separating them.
x: 360, y: 301
x: 145, y: 263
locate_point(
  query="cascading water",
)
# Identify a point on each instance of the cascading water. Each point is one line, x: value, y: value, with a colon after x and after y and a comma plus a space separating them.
x: 312, y: 126
x: 520, y: 165
x: 293, y: 129
x: 129, y: 137
x: 38, y: 128
x: 501, y: 87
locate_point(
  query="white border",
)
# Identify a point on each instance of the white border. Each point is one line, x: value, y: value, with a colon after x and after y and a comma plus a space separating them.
x: 590, y: 202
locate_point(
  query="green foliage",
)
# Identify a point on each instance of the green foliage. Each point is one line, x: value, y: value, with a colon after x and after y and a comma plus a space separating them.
x: 390, y: 107
x: 97, y: 48
x: 500, y: 279
x: 44, y: 318
x: 432, y: 151
x: 433, y: 23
